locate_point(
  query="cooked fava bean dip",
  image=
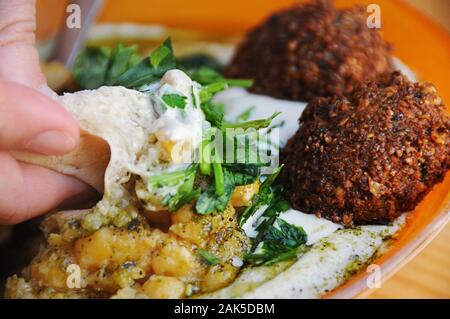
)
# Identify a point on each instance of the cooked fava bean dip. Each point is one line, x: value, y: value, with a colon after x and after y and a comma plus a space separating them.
x: 179, y: 219
x: 166, y: 227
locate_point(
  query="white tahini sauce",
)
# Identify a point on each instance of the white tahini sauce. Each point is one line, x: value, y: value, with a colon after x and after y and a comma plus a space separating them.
x: 176, y: 125
x: 316, y: 228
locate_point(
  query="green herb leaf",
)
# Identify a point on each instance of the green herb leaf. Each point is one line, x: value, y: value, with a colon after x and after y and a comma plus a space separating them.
x: 276, y: 206
x: 205, y: 157
x: 265, y: 196
x: 244, y: 174
x: 256, y: 124
x: 175, y: 202
x: 207, y: 92
x: 166, y: 179
x: 97, y: 66
x: 210, y: 202
x: 287, y: 234
x: 175, y: 100
x: 150, y: 69
x: 279, y: 243
x: 270, y: 179
x: 185, y: 192
x: 214, y: 113
x: 193, y: 62
x: 208, y: 257
x: 206, y: 75
x: 122, y: 58
x: 89, y: 70
x: 245, y: 115
x: 219, y: 179
x: 158, y: 56
x: 270, y: 255
x: 245, y: 83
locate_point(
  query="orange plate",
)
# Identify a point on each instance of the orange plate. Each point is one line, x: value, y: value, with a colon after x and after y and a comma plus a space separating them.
x: 419, y: 42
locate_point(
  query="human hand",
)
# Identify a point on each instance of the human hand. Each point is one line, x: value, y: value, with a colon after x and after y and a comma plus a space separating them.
x: 29, y: 120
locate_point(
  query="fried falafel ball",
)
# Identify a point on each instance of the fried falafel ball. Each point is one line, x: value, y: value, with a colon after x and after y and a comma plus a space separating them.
x: 368, y: 157
x: 311, y: 50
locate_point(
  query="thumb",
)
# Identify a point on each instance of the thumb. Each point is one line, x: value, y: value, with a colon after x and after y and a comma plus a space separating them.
x: 30, y: 120
x: 18, y: 55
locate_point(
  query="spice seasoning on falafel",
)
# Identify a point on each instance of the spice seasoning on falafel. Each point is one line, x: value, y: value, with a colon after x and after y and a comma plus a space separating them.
x: 371, y: 156
x: 311, y: 50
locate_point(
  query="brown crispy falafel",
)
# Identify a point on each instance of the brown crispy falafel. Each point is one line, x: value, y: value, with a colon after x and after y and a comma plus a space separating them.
x: 311, y: 50
x: 368, y: 157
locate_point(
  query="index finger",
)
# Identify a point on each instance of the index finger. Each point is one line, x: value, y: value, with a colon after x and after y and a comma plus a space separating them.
x: 33, y: 121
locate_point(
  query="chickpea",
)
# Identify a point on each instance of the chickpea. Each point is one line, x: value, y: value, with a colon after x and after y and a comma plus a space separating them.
x: 113, y: 246
x: 49, y: 271
x: 176, y: 260
x: 163, y: 287
x: 192, y: 232
x: 94, y: 251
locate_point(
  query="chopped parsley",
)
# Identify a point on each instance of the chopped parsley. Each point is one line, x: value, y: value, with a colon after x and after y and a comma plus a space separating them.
x: 97, y: 66
x: 207, y: 75
x: 266, y: 196
x: 208, y: 257
x: 281, y: 241
x: 207, y: 92
x: 171, y: 178
x: 212, y: 202
x: 90, y: 67
x: 184, y: 196
x: 122, y: 58
x: 184, y: 179
x: 277, y: 240
x: 245, y: 115
x: 214, y: 113
x: 158, y: 56
x: 205, y: 157
x: 175, y: 100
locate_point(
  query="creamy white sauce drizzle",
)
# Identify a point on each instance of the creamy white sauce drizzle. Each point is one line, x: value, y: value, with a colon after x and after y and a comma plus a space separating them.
x: 176, y: 125
x: 322, y: 268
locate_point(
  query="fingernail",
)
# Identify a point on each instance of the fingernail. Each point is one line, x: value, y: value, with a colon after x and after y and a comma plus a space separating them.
x: 51, y: 143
